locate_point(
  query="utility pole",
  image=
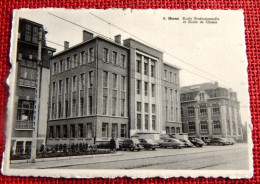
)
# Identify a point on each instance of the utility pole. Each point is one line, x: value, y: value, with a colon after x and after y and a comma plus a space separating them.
x: 37, y: 99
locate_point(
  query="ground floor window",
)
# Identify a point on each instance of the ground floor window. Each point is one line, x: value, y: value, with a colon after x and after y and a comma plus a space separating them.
x: 228, y: 128
x: 114, y: 130
x: 104, y: 129
x: 178, y: 130
x: 19, y: 147
x: 72, y: 131
x: 234, y: 127
x: 57, y: 131
x: 216, y: 127
x: 65, y: 131
x: 172, y: 130
x: 51, y: 132
x: 167, y: 130
x: 146, y: 122
x: 123, y: 130
x: 80, y: 130
x: 139, y: 121
x: 89, y: 130
x: 192, y: 127
x: 204, y: 127
x: 154, y: 122
x: 28, y: 146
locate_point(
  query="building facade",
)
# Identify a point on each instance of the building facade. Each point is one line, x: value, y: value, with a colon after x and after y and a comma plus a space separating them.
x: 101, y: 89
x: 32, y: 79
x: 208, y: 111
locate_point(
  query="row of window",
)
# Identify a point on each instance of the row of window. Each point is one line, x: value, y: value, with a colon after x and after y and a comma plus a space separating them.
x: 85, y: 130
x: 27, y: 73
x: 169, y: 116
x: 202, y: 110
x: 25, y: 114
x: 114, y: 59
x: 23, y: 147
x: 74, y: 61
x: 146, y: 88
x: 31, y: 33
x: 204, y: 127
x: 170, y: 77
x: 146, y: 107
x: 172, y: 130
x: 146, y: 122
x: 145, y: 65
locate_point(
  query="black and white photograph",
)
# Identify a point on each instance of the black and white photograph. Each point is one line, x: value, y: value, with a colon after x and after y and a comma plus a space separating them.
x: 123, y: 92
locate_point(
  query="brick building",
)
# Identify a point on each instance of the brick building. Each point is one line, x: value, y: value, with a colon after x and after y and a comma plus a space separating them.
x: 210, y: 111
x: 101, y: 89
x: 32, y: 79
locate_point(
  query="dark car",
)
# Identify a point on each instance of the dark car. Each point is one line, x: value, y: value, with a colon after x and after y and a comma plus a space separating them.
x: 131, y: 144
x: 197, y: 142
x: 186, y: 142
x: 174, y: 143
x: 219, y: 141
x: 149, y: 144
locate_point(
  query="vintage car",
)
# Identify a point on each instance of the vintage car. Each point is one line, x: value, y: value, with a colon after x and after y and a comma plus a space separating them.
x: 197, y: 142
x: 131, y: 144
x: 171, y: 142
x: 149, y: 144
x: 186, y: 142
x: 219, y: 141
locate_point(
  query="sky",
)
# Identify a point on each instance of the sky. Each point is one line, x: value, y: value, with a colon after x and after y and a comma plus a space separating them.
x: 205, y: 52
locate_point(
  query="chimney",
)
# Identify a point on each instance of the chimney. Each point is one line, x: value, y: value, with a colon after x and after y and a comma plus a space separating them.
x: 118, y: 39
x: 66, y: 45
x: 87, y: 35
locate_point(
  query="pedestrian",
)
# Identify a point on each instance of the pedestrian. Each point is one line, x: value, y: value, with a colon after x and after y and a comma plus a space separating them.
x: 112, y: 144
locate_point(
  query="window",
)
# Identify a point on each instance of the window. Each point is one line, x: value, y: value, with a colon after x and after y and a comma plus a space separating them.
x: 114, y: 81
x: 104, y: 105
x: 74, y: 83
x: 74, y: 107
x: 178, y: 130
x: 82, y: 58
x: 60, y: 87
x: 123, y: 83
x: 204, y: 127
x: 170, y: 77
x: 57, y: 131
x: 138, y: 63
x: 59, y: 110
x: 105, y: 79
x: 122, y: 107
x: 89, y: 130
x: 153, y: 69
x: 75, y: 60
x: 203, y: 110
x: 72, y: 131
x: 153, y: 108
x: 51, y: 133
x: 25, y: 113
x: 67, y: 110
x: 90, y: 105
x: 82, y: 81
x: 146, y: 66
x: 123, y: 61
x: 54, y: 68
x: 172, y: 130
x: 53, y: 108
x: 146, y: 88
x: 171, y: 95
x: 165, y: 93
x: 35, y: 35
x: 67, y: 85
x: 27, y: 76
x: 214, y: 93
x: 80, y: 130
x: 139, y: 121
x: 123, y: 130
x: 167, y: 130
x: 202, y: 96
x: 138, y: 87
x: 215, y: 109
x: 192, y: 127
x: 65, y: 131
x: 146, y: 107
x: 114, y: 58
x: 191, y: 111
x: 91, y: 55
x: 139, y: 106
x: 153, y: 122
x: 153, y: 90
x: 68, y: 63
x: 105, y: 55
x: 28, y: 146
x: 28, y: 32
x: 165, y: 74
x: 166, y: 112
x: 114, y: 130
x: 81, y: 106
x: 146, y: 122
x: 234, y: 128
x: 54, y: 89
x: 104, y: 129
x: 228, y: 128
x: 61, y: 65
x: 113, y: 106
x: 175, y: 78
x: 91, y: 79
x: 216, y: 127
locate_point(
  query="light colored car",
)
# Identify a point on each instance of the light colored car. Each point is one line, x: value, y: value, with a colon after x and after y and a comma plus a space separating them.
x: 149, y: 144
x: 186, y: 142
x: 231, y: 141
x: 174, y: 143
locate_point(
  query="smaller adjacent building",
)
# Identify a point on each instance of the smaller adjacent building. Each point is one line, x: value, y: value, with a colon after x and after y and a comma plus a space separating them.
x: 208, y: 110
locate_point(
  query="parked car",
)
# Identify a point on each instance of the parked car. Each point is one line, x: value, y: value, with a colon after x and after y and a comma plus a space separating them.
x: 219, y: 141
x: 197, y: 142
x: 231, y: 141
x: 131, y: 144
x: 175, y: 143
x: 186, y: 142
x: 149, y: 144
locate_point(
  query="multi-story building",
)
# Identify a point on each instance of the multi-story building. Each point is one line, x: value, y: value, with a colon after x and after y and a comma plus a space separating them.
x: 32, y: 80
x: 101, y: 89
x: 209, y: 110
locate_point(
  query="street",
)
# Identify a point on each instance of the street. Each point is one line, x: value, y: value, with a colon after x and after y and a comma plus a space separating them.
x: 232, y: 157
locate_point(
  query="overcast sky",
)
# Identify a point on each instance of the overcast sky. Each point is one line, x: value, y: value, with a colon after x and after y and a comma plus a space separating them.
x: 217, y: 49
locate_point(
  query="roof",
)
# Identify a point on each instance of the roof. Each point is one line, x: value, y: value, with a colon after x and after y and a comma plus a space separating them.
x: 199, y: 87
